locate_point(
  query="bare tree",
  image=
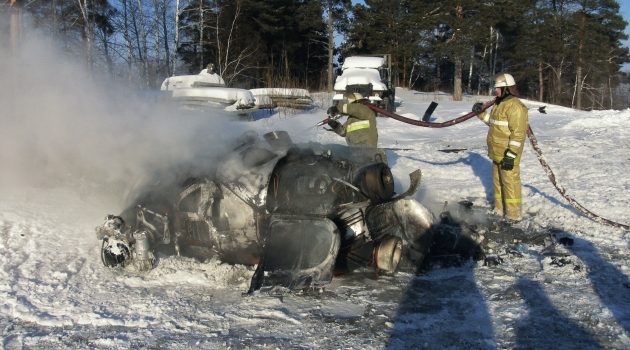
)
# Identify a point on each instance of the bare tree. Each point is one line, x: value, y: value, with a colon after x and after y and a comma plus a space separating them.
x: 143, y: 44
x: 231, y: 63
x: 176, y: 39
x: 331, y: 42
x: 86, y: 33
x: 332, y: 9
x: 156, y: 28
x: 470, y: 69
x: 201, y: 30
x: 492, y: 54
x: 167, y: 58
x: 579, y: 81
x: 127, y: 38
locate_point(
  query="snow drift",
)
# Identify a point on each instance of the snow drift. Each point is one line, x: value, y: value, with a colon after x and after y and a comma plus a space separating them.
x: 66, y: 140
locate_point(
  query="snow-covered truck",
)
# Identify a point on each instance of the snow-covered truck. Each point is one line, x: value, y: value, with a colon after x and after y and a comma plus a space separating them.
x: 371, y: 76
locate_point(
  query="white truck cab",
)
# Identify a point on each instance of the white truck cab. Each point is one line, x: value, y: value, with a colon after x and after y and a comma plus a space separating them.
x: 371, y: 76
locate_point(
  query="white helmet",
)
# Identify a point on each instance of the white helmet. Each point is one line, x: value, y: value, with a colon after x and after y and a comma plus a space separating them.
x: 353, y: 97
x: 504, y: 79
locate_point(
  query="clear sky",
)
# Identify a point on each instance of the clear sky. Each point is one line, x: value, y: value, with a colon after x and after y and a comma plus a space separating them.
x: 625, y: 13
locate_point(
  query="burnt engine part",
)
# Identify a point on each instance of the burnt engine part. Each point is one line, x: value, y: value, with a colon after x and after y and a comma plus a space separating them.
x: 407, y: 220
x: 304, y: 182
x: 300, y: 212
x: 255, y: 156
x: 120, y: 246
x: 143, y: 259
x: 376, y: 182
x: 384, y: 254
x: 454, y: 242
x: 114, y: 252
x: 429, y: 111
x: 116, y: 246
x: 278, y: 139
x: 387, y: 253
x: 298, y: 252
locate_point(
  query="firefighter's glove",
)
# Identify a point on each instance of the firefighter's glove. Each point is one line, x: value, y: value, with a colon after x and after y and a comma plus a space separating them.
x: 332, y: 111
x: 478, y: 107
x: 333, y: 123
x: 507, y: 163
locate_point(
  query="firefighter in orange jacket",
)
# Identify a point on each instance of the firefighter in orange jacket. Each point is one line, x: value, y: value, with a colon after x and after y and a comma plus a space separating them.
x: 508, y: 123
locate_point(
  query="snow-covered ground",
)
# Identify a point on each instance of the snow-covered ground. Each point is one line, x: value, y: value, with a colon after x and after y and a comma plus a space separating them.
x: 70, y: 151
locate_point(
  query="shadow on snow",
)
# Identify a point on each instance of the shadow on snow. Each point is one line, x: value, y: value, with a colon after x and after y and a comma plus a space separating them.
x: 444, y: 307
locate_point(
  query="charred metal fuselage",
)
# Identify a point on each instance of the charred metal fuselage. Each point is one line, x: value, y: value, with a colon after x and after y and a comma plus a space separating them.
x: 301, y: 213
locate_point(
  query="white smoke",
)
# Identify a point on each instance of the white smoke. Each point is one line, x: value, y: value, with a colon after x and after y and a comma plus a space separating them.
x: 59, y: 123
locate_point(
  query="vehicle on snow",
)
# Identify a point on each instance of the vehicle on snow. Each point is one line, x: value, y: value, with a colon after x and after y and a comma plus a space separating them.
x: 208, y: 89
x: 300, y: 212
x: 371, y: 76
x: 293, y: 98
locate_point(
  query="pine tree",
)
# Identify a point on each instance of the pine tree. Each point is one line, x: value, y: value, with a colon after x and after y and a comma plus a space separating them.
x: 456, y: 26
x: 599, y: 30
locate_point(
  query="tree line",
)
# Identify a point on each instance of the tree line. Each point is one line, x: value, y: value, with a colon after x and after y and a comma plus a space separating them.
x: 566, y: 52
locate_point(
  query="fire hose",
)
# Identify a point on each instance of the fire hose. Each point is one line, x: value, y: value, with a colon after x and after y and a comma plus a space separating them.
x: 532, y: 140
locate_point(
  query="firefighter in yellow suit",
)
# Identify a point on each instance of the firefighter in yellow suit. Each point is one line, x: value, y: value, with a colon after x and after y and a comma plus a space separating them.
x: 508, y: 123
x: 360, y: 127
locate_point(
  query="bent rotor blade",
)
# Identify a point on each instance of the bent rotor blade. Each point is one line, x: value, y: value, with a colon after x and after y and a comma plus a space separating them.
x: 416, y: 180
x: 429, y: 111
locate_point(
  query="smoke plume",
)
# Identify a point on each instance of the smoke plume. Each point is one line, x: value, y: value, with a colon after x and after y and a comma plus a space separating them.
x: 62, y: 124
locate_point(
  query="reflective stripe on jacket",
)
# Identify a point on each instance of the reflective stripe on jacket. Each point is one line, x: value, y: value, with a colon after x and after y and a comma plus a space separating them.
x: 360, y: 127
x: 508, y: 123
x: 364, y: 124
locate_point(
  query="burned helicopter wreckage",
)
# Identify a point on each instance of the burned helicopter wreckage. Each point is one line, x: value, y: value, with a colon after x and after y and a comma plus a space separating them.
x: 300, y: 212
